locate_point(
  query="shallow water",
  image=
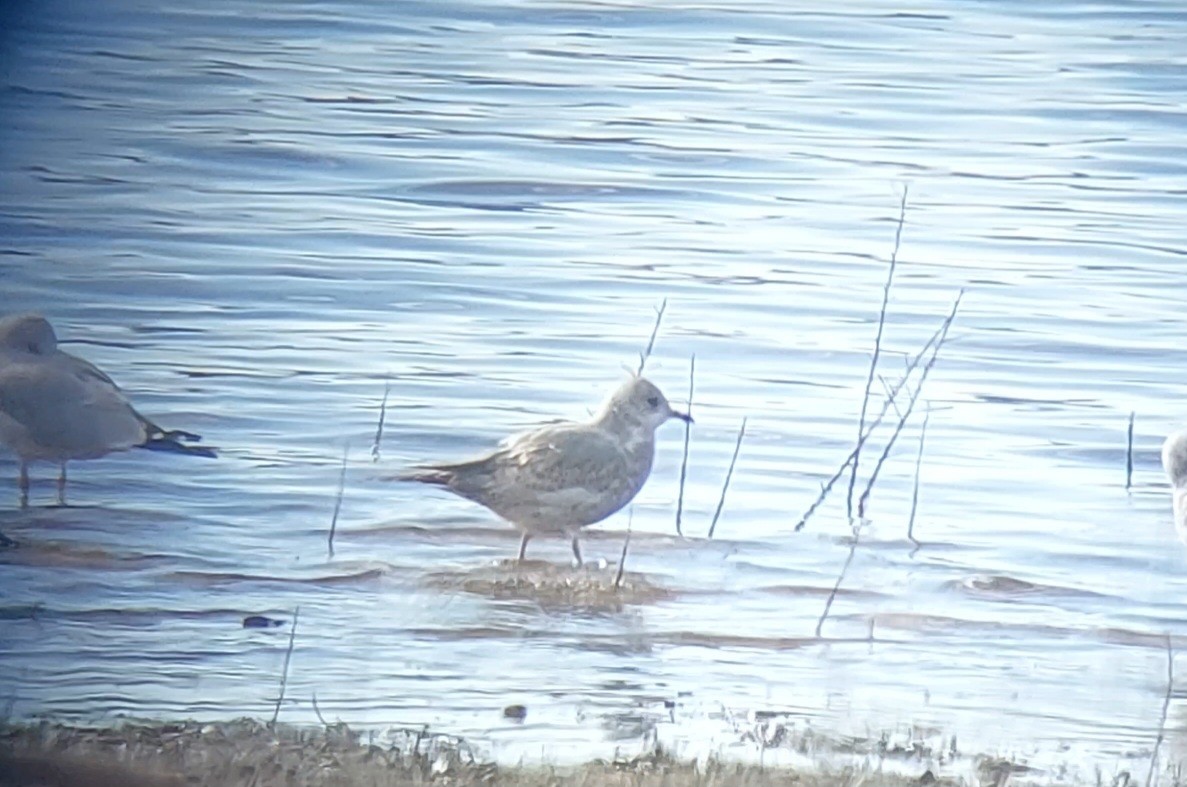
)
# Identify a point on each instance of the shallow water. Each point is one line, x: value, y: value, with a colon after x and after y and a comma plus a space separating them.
x: 255, y: 217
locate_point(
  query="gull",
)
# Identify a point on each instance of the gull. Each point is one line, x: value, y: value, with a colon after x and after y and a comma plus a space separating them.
x: 565, y: 475
x: 1174, y: 462
x: 56, y: 407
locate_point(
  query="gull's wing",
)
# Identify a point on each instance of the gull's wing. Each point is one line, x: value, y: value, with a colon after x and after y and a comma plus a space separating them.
x: 64, y: 407
x: 563, y: 456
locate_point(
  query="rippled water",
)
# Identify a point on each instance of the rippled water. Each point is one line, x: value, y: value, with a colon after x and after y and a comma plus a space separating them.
x: 255, y: 216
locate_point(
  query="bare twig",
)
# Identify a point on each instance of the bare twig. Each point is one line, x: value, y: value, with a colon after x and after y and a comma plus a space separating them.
x: 338, y: 500
x: 898, y: 429
x: 915, y: 491
x: 890, y: 393
x: 827, y: 486
x: 317, y: 711
x: 1129, y: 453
x: 630, y: 519
x: 861, y: 506
x: 659, y: 316
x: 728, y: 475
x: 865, y: 401
x: 832, y: 596
x: 1166, y: 702
x: 379, y: 427
x: 692, y: 373
x: 288, y: 657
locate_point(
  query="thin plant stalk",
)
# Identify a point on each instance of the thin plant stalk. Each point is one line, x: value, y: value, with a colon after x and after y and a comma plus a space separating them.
x: 1129, y: 453
x: 865, y: 495
x: 728, y: 475
x: 338, y: 499
x: 865, y: 400
x: 625, y: 544
x: 1166, y: 703
x: 832, y: 596
x: 288, y: 657
x: 659, y: 316
x: 914, y: 397
x: 317, y: 712
x: 915, y: 490
x: 379, y: 427
x: 828, y: 485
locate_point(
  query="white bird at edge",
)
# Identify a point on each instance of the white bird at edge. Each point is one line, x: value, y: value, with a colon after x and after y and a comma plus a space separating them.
x: 1174, y: 462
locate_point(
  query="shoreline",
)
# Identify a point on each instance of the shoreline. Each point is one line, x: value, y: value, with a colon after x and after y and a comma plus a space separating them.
x: 248, y: 751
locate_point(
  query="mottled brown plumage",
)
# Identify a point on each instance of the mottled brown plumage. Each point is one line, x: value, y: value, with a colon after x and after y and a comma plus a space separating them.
x: 564, y: 476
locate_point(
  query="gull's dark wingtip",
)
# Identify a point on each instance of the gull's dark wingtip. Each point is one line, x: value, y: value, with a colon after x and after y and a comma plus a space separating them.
x: 172, y: 446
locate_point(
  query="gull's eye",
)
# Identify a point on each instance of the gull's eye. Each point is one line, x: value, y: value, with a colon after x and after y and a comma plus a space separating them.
x: 653, y: 401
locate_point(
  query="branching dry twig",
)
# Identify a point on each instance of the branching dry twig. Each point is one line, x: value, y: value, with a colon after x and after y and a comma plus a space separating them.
x: 1129, y: 453
x: 827, y: 486
x: 865, y: 401
x: 1166, y: 703
x: 288, y: 657
x: 338, y: 500
x: 692, y: 373
x: 728, y: 475
x: 857, y: 529
x: 898, y: 429
x: 915, y: 491
x: 659, y: 316
x: 379, y: 427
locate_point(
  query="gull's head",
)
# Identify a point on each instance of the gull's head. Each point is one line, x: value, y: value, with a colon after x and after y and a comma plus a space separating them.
x: 637, y: 402
x: 30, y: 334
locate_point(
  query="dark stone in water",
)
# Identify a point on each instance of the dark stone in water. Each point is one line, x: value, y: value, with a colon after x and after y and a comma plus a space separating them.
x: 515, y: 712
x: 261, y: 622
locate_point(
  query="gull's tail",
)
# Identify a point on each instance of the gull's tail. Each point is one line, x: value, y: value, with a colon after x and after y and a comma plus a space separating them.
x: 436, y: 475
x: 468, y: 479
x: 175, y: 442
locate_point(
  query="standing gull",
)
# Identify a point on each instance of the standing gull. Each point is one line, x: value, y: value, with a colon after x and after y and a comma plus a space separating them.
x: 1174, y: 462
x: 563, y: 476
x: 56, y: 407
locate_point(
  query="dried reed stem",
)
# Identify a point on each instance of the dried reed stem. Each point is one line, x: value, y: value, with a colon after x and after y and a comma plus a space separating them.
x: 1166, y: 703
x: 915, y: 491
x: 865, y: 400
x: 630, y: 519
x: 692, y: 373
x: 827, y: 486
x: 832, y: 596
x: 1129, y: 453
x: 898, y: 429
x: 659, y: 316
x: 288, y: 657
x: 338, y: 500
x: 379, y: 428
x: 936, y: 347
x: 728, y: 475
x: 317, y: 712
